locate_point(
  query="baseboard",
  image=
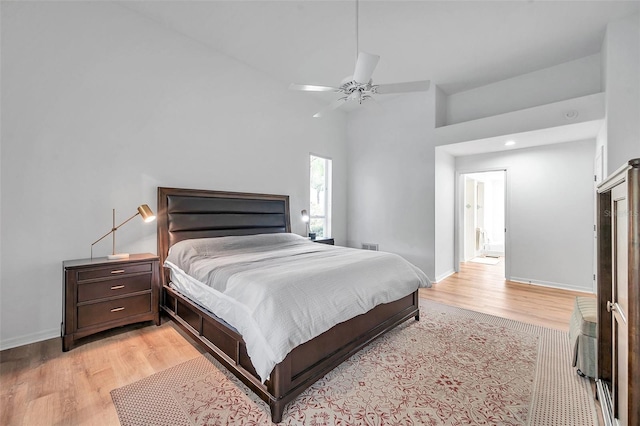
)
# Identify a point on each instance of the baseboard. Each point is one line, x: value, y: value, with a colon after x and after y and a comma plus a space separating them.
x: 29, y: 338
x: 560, y: 286
x: 443, y: 276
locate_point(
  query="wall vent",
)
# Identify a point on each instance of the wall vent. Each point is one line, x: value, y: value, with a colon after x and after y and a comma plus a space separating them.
x: 369, y: 246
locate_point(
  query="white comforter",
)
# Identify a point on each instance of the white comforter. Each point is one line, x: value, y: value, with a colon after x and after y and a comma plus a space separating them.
x: 281, y: 290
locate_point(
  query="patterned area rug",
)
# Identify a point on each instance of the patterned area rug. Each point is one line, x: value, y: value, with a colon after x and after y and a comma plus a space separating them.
x: 453, y: 367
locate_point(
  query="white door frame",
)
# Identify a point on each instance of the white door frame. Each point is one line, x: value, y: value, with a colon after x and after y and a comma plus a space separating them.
x: 458, y: 233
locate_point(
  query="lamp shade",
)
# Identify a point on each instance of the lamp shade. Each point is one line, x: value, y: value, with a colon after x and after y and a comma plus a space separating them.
x: 305, y: 216
x: 146, y: 213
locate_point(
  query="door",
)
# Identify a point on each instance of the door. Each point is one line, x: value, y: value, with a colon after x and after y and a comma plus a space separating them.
x: 618, y: 306
x: 482, y: 215
x: 480, y: 225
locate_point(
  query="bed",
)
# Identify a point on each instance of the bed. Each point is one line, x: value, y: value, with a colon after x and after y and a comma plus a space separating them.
x: 200, y: 216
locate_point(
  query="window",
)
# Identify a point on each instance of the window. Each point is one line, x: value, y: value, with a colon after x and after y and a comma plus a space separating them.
x: 320, y: 196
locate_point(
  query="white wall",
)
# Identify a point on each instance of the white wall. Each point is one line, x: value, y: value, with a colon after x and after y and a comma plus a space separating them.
x: 524, y: 104
x: 550, y: 211
x: 100, y: 106
x: 391, y: 178
x: 445, y: 175
x: 569, y: 80
x: 394, y: 170
x: 621, y: 49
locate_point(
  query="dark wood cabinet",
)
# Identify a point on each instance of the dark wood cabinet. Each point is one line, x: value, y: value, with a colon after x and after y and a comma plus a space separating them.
x: 618, y: 247
x: 99, y: 294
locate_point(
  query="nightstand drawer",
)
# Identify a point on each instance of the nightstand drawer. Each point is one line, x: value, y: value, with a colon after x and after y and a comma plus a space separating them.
x: 103, y: 312
x: 102, y: 293
x: 110, y: 288
x: 114, y: 271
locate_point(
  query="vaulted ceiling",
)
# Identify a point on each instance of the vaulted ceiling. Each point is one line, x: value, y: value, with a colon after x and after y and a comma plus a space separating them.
x: 456, y: 44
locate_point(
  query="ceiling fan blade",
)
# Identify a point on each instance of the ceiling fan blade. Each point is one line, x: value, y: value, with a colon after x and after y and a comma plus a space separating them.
x: 313, y: 88
x: 333, y: 105
x: 365, y: 65
x: 410, y: 86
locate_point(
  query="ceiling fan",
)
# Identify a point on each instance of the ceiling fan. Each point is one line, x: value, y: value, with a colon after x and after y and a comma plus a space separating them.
x: 359, y: 87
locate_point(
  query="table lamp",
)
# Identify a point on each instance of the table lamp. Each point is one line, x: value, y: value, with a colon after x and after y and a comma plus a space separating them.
x: 147, y: 216
x: 305, y: 219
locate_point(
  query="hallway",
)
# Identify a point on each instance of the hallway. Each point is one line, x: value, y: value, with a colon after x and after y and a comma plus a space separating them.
x: 482, y: 288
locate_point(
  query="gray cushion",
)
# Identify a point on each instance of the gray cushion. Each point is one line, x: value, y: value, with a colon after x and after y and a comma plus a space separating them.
x: 582, y: 334
x: 586, y: 314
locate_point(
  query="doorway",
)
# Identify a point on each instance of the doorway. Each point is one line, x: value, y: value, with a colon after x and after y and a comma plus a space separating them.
x: 482, y: 217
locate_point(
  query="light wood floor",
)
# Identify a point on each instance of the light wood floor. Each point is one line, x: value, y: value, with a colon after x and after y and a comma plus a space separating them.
x: 41, y: 385
x: 482, y: 288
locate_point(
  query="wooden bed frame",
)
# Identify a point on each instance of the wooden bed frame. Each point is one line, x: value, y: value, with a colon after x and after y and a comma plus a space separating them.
x: 188, y: 213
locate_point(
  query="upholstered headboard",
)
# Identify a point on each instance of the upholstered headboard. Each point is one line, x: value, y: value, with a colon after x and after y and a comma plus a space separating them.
x: 190, y: 213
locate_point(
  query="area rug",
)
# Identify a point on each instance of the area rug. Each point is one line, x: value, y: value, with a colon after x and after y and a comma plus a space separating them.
x: 453, y: 367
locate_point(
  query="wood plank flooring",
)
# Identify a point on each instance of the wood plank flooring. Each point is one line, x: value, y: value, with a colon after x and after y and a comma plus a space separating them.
x: 41, y: 385
x: 482, y: 288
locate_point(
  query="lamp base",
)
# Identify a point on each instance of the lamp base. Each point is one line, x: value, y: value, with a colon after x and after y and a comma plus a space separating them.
x: 118, y: 256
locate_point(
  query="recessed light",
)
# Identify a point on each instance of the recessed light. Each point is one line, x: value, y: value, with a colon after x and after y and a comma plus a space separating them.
x: 509, y: 143
x: 571, y: 115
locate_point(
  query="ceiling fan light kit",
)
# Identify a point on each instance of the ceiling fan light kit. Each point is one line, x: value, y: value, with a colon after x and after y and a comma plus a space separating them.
x: 360, y: 87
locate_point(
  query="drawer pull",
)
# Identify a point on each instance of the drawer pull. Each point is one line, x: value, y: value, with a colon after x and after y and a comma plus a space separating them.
x: 117, y: 287
x: 117, y: 309
x: 118, y: 271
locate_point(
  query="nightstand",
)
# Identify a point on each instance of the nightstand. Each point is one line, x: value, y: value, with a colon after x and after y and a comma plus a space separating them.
x: 99, y: 294
x: 324, y: 241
